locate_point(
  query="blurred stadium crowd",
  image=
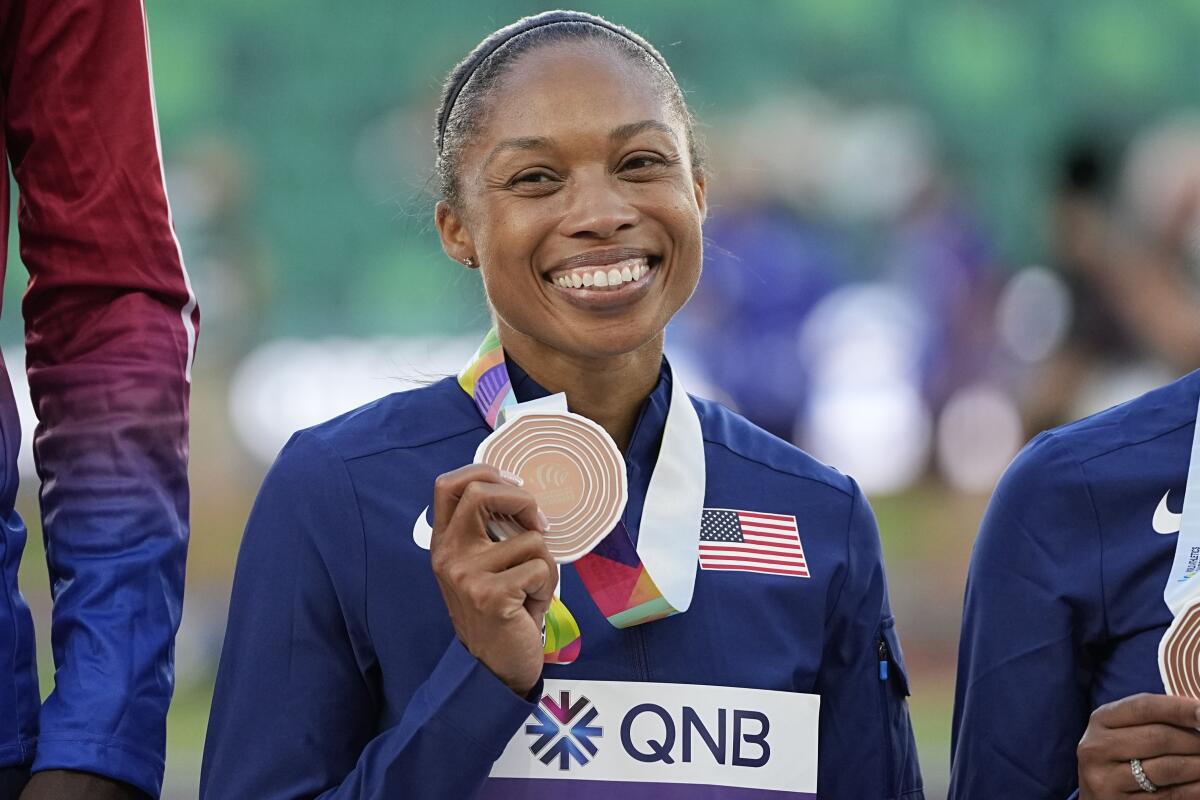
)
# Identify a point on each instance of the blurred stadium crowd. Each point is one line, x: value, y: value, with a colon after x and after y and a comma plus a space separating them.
x: 934, y: 231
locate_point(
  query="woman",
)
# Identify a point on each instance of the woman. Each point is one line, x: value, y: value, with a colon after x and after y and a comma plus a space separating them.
x: 570, y: 178
x: 1059, y: 691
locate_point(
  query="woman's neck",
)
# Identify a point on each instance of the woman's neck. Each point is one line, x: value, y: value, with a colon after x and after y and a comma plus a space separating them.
x: 609, y: 390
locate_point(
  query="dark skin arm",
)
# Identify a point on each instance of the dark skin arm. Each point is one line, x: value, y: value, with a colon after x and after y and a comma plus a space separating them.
x: 1147, y: 280
x: 56, y: 784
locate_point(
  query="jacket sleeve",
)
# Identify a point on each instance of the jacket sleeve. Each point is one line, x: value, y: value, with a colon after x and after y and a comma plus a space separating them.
x: 110, y: 331
x: 1033, y: 601
x: 866, y: 742
x: 297, y: 702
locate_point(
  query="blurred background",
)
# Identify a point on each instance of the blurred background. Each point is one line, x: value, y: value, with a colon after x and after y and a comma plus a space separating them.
x: 936, y: 228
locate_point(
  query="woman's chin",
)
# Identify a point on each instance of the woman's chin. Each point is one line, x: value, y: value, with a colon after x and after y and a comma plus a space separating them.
x: 587, y: 336
x: 611, y: 338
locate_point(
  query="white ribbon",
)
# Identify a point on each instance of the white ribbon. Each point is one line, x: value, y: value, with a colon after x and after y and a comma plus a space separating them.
x: 1180, y: 588
x: 669, y: 534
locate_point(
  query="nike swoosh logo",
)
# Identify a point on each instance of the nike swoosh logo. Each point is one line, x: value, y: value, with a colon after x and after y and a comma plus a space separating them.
x: 423, y: 534
x: 1165, y: 520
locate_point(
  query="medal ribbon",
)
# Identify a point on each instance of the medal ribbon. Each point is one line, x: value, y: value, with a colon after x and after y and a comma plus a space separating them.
x: 1180, y: 588
x: 617, y: 574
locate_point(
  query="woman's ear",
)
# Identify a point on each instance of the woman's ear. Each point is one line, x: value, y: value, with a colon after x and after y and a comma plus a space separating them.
x: 700, y: 187
x: 456, y: 239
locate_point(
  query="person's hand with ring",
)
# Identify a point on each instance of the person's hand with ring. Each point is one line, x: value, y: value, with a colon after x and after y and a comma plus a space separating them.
x: 1141, y: 743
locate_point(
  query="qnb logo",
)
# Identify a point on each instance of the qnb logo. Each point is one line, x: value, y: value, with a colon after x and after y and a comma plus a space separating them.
x: 564, y: 730
x: 651, y: 733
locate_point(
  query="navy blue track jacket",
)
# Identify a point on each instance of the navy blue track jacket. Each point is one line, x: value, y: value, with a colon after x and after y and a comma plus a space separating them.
x: 341, y: 675
x: 1064, y: 603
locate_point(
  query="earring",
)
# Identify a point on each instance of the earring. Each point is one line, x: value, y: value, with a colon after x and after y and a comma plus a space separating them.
x: 468, y: 262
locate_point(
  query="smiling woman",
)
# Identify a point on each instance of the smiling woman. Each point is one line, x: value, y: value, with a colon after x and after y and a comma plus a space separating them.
x: 700, y: 637
x: 560, y: 195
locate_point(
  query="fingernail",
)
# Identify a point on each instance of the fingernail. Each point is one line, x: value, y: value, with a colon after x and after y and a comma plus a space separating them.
x: 512, y: 477
x: 545, y: 522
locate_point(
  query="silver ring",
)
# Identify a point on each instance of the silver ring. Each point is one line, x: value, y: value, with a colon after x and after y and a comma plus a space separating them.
x: 1139, y: 775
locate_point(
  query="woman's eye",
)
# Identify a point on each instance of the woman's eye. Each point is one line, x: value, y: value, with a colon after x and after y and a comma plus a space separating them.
x: 533, y: 178
x: 641, y: 162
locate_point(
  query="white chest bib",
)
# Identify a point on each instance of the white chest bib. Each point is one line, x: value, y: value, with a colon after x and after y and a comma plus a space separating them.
x: 606, y: 739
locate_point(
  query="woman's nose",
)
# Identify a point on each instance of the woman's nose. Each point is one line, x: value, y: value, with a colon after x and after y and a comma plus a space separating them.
x: 597, y: 208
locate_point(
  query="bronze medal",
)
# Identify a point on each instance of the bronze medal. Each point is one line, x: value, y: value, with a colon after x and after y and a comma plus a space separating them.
x: 1179, y: 653
x: 573, y: 469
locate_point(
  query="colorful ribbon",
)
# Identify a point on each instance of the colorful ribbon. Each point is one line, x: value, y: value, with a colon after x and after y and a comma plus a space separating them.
x: 613, y: 573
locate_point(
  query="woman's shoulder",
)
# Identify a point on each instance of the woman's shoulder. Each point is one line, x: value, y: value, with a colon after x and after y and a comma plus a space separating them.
x: 402, y: 420
x: 1059, y: 455
x: 375, y: 456
x: 754, y: 448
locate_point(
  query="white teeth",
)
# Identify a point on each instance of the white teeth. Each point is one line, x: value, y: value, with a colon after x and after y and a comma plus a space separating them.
x: 617, y: 275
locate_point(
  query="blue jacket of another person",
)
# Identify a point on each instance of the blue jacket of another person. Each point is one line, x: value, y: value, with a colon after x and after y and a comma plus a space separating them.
x: 1064, y: 604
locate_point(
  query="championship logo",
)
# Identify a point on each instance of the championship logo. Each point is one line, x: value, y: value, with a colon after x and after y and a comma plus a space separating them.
x: 564, y: 730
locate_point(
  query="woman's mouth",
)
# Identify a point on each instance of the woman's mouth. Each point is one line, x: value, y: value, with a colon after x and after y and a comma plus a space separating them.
x: 607, y: 277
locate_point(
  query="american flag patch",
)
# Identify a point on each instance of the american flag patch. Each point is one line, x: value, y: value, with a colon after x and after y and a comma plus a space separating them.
x: 748, y: 541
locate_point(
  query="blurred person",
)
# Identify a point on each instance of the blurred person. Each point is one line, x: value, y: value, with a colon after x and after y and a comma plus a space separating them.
x: 570, y: 179
x: 888, y: 180
x: 110, y: 327
x: 769, y: 259
x: 1059, y: 691
x: 1159, y: 285
x: 767, y: 266
x: 1126, y: 241
x: 938, y: 252
x: 829, y: 201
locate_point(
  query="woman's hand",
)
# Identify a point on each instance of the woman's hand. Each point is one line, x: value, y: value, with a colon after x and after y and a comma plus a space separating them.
x: 497, y: 592
x: 1158, y: 729
x: 61, y: 784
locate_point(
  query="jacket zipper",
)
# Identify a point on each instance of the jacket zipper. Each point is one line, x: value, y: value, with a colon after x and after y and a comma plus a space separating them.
x: 885, y: 658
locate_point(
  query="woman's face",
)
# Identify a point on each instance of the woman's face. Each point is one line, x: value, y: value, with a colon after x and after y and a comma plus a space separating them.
x: 579, y: 202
